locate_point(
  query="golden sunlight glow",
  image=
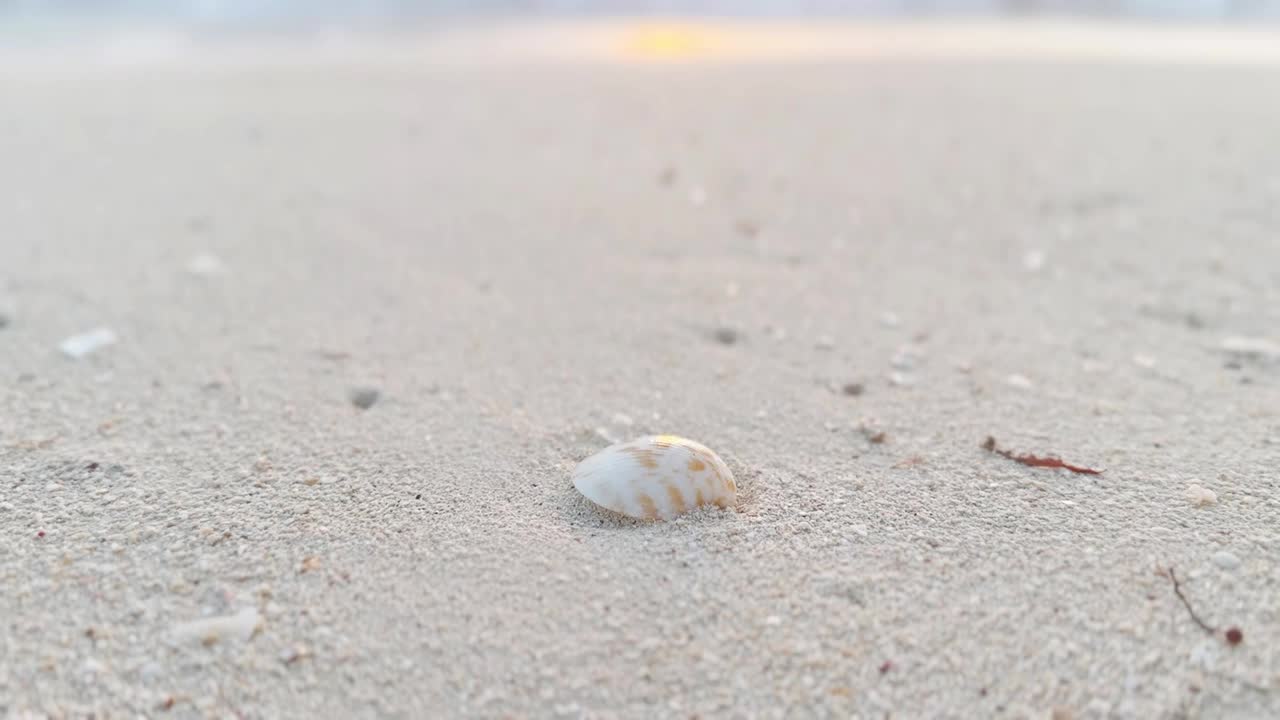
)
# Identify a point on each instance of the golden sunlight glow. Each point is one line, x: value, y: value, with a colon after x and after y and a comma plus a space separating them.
x: 669, y: 42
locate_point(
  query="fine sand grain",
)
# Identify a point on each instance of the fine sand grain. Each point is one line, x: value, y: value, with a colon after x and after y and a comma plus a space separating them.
x: 367, y: 315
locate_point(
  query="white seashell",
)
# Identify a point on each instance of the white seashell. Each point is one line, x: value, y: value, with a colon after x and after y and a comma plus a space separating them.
x: 659, y: 476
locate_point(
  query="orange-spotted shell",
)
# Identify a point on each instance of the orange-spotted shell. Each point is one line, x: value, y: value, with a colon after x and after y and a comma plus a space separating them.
x: 656, y: 477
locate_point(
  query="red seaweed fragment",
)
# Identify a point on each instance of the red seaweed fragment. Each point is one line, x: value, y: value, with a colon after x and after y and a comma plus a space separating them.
x: 1036, y: 460
x: 1232, y: 635
x: 1177, y: 590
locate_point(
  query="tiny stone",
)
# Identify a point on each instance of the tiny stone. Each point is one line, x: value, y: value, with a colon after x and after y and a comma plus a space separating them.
x: 697, y: 196
x: 1033, y: 261
x: 905, y: 358
x: 204, y: 264
x: 1019, y: 381
x: 364, y: 397
x: 890, y: 320
x: 1093, y: 366
x: 825, y: 342
x: 209, y: 630
x: 623, y: 420
x: 773, y: 621
x: 901, y: 379
x: 1098, y: 707
x: 725, y: 335
x: 1200, y: 496
x: 150, y: 672
x: 1256, y: 347
x: 77, y: 346
x: 1144, y: 361
x: 853, y: 389
x: 1226, y: 560
x: 291, y: 655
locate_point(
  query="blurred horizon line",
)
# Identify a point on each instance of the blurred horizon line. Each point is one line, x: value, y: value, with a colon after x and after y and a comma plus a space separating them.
x: 260, y: 13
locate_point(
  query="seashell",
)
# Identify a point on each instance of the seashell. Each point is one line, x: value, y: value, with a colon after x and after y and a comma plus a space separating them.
x: 659, y: 476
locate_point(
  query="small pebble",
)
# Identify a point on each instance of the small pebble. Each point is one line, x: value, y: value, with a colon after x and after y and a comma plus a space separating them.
x: 1093, y: 366
x: 622, y: 420
x: 899, y: 379
x: 853, y: 389
x: 697, y: 196
x: 364, y: 397
x: 1021, y: 382
x: 205, y: 264
x: 1200, y: 496
x: 150, y: 672
x: 725, y: 335
x: 1144, y: 361
x: 773, y: 621
x: 747, y: 228
x: 1256, y: 347
x: 1226, y: 560
x: 889, y: 320
x: 77, y: 346
x: 242, y: 625
x: 906, y: 358
x: 1034, y: 260
x: 1098, y: 707
x: 825, y: 342
x: 291, y: 655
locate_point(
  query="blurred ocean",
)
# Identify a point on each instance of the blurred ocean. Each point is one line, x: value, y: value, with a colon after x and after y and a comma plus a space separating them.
x: 161, y: 26
x: 322, y: 11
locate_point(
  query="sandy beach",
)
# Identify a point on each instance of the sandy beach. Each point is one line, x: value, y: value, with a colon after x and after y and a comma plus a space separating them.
x: 369, y: 312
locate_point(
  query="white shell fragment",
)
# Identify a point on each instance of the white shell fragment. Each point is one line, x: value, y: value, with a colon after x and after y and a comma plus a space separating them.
x: 656, y: 477
x: 242, y: 625
x: 77, y: 346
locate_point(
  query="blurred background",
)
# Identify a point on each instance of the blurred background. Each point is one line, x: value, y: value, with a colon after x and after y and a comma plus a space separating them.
x: 295, y: 13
